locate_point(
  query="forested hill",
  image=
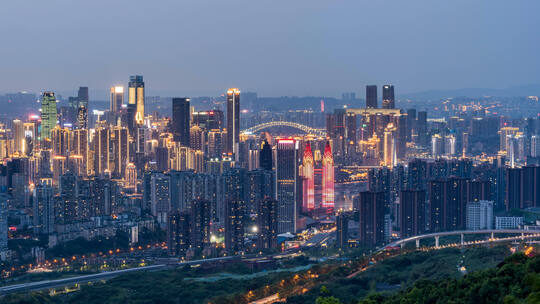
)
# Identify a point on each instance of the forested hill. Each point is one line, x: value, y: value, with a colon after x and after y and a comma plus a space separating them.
x: 516, y: 280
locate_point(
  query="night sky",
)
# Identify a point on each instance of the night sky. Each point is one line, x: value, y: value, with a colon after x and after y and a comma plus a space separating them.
x: 274, y: 47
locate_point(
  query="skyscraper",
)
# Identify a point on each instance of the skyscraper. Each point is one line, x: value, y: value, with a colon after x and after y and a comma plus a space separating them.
x: 180, y: 121
x: 178, y: 233
x: 160, y: 196
x: 200, y: 223
x: 412, y: 204
x: 136, y: 97
x: 234, y: 226
x: 421, y: 128
x: 18, y: 135
x: 43, y: 209
x: 286, y: 167
x: 390, y: 157
x: 266, y: 156
x: 117, y: 98
x: 267, y: 224
x: 101, y: 151
x: 82, y: 111
x: 233, y: 120
x: 522, y: 187
x: 131, y: 111
x: 447, y: 201
x: 208, y: 120
x: 342, y: 230
x: 309, y: 179
x: 4, y: 250
x: 119, y: 142
x: 327, y: 178
x: 48, y: 114
x: 79, y: 148
x: 261, y: 185
x: 388, y: 100
x: 371, y: 96
x: 370, y: 205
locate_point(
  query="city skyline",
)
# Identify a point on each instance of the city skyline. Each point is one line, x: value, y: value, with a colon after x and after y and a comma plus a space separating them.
x: 269, y: 152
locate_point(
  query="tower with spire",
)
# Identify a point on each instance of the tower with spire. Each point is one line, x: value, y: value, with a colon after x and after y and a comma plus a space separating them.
x: 327, y: 177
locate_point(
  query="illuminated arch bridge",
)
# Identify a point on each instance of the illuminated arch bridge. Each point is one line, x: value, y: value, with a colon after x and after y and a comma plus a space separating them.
x: 301, y: 127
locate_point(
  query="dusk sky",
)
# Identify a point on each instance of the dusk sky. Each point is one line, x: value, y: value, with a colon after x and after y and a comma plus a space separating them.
x: 300, y: 47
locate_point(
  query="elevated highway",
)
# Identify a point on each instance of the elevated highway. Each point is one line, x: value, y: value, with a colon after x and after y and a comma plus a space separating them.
x: 522, y: 235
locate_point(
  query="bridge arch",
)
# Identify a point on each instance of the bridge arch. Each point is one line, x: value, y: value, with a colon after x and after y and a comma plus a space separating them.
x: 301, y: 127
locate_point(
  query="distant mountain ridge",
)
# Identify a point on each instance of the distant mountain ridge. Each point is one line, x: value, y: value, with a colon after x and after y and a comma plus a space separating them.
x: 523, y: 90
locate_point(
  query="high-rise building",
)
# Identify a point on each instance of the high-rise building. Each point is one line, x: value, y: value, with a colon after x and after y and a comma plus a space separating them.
x: 266, y: 156
x: 448, y: 199
x: 131, y: 176
x: 411, y: 123
x: 101, y: 151
x: 178, y: 233
x: 102, y: 196
x: 131, y: 111
x: 342, y: 230
x: 79, y: 149
x: 261, y: 186
x: 389, y: 149
x: 208, y: 120
x: 67, y: 209
x: 117, y: 99
x: 412, y: 205
x: 181, y: 121
x: 136, y: 97
x: 233, y: 121
x: 371, y: 96
x: 234, y: 226
x: 267, y: 224
x: 370, y: 205
x: 216, y: 141
x: 82, y: 110
x: 535, y: 146
x: 4, y: 250
x: 18, y: 136
x: 388, y: 100
x: 286, y: 175
x: 505, y: 136
x: 350, y: 131
x: 480, y: 215
x: 328, y: 196
x: 308, y: 175
x: 48, y: 114
x: 421, y: 128
x: 119, y: 147
x: 522, y: 187
x: 160, y: 196
x: 450, y: 145
x: 43, y: 209
x: 437, y: 146
x: 200, y: 223
x: 61, y: 138
x: 480, y: 190
x: 162, y: 158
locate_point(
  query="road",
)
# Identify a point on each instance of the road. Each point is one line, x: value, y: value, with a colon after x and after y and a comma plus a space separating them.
x: 48, y: 284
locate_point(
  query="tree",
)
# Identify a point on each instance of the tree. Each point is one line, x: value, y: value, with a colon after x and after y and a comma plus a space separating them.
x: 327, y: 300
